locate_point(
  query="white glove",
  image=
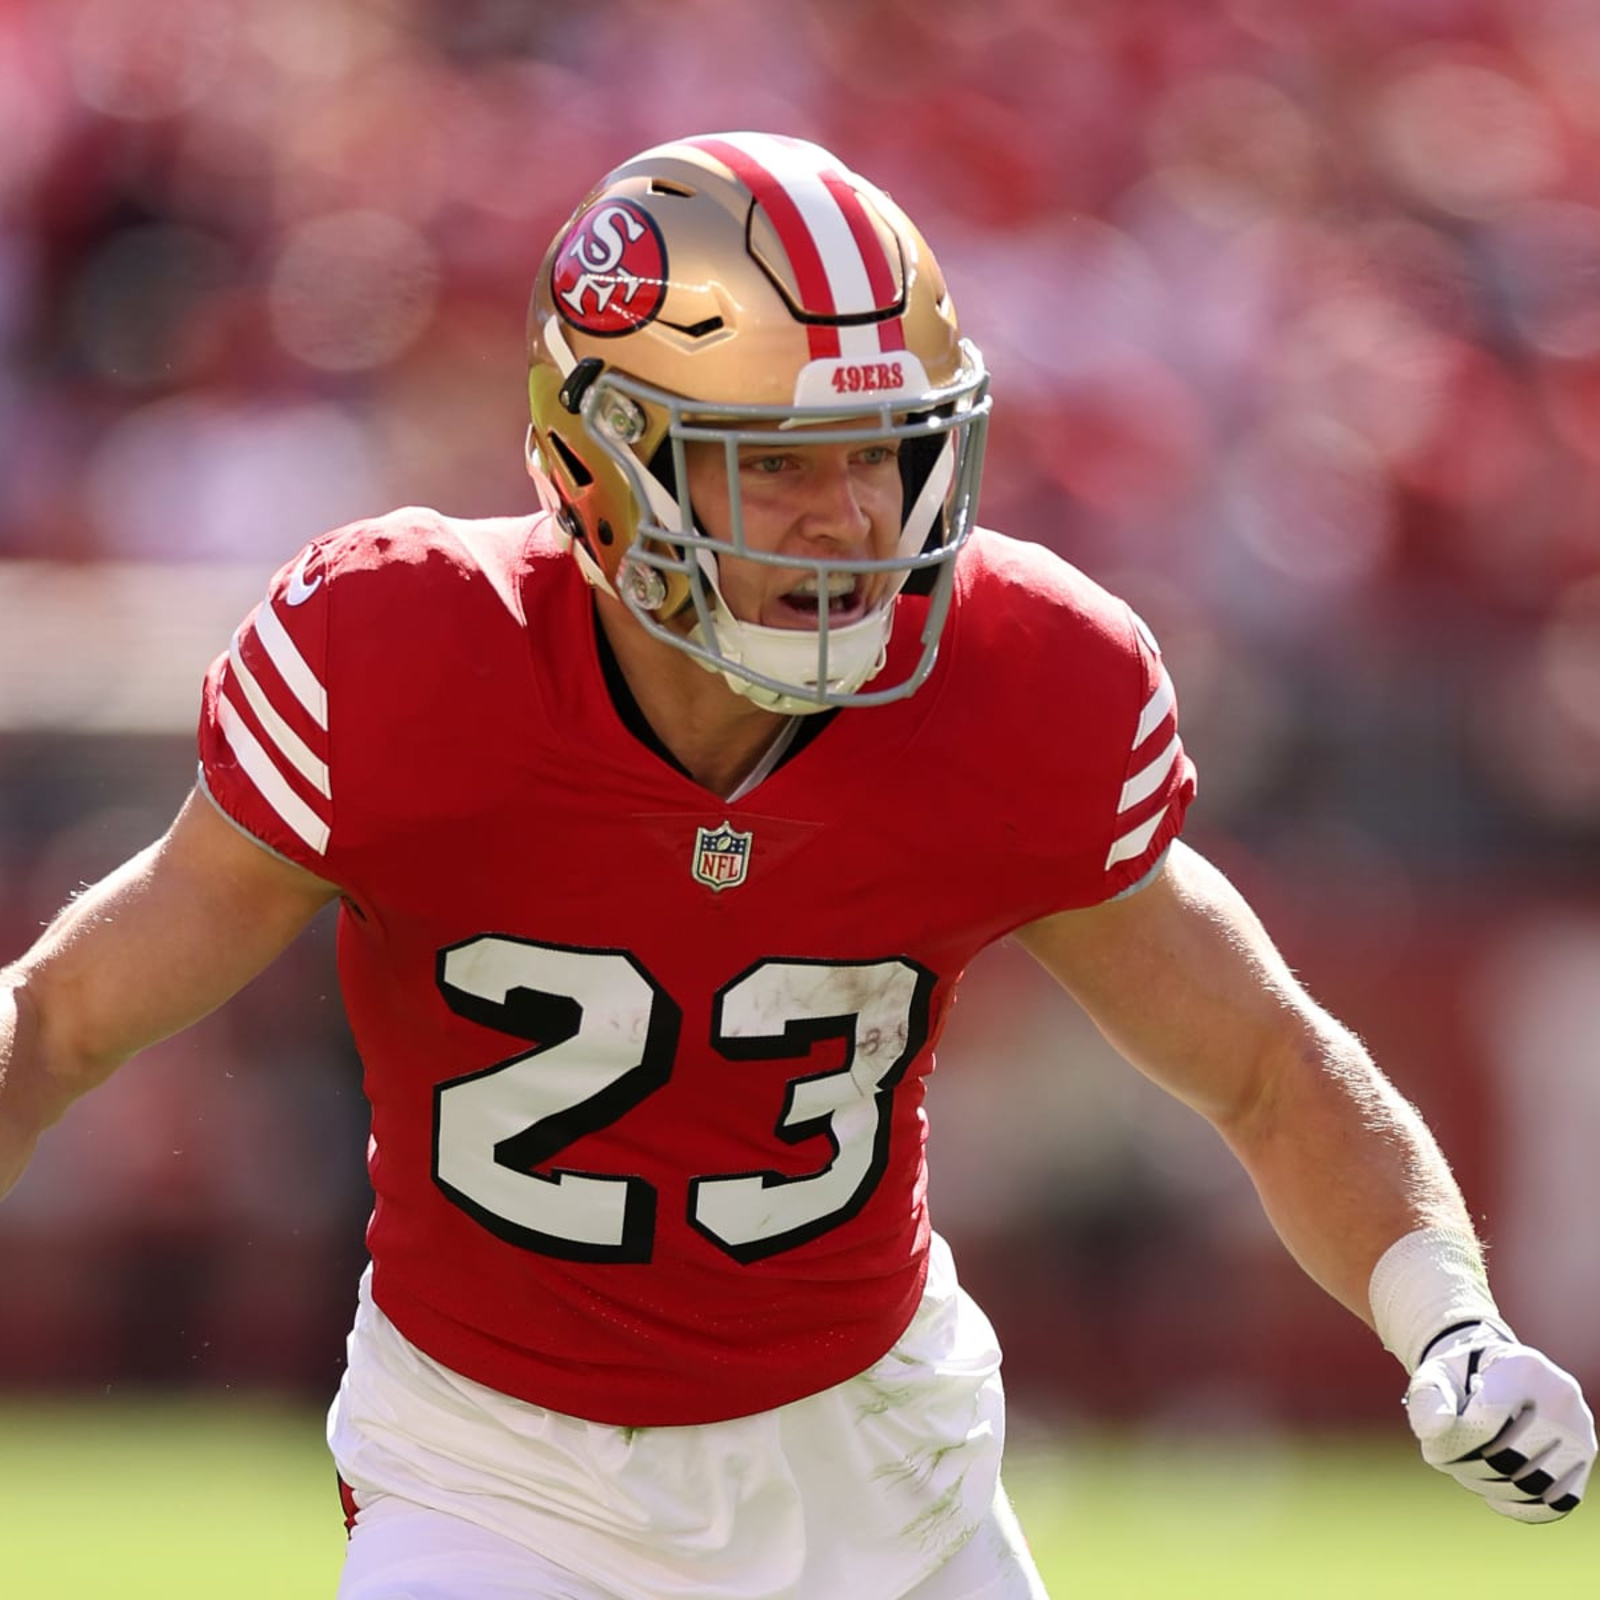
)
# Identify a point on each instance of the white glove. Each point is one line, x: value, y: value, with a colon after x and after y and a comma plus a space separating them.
x: 1504, y: 1421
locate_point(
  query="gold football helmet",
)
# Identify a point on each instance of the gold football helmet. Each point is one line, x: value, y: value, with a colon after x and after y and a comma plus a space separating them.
x: 734, y: 287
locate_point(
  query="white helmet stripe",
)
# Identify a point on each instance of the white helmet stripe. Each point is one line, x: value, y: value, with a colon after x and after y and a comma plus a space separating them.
x: 839, y: 264
x: 795, y: 173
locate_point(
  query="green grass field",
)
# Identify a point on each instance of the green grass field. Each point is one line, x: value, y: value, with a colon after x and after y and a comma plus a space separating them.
x: 206, y: 1501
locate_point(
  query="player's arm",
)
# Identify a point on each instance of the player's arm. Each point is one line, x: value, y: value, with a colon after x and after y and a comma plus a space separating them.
x: 155, y: 946
x: 1181, y: 977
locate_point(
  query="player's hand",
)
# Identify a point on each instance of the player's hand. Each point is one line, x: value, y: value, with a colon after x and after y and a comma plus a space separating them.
x: 1504, y: 1421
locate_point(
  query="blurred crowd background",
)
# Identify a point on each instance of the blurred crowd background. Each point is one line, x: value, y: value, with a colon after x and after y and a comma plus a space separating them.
x: 1294, y: 316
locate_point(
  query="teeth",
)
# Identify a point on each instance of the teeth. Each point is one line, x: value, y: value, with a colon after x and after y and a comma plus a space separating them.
x: 839, y: 584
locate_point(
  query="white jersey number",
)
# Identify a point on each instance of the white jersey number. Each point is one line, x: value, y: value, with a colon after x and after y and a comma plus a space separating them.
x: 604, y: 1035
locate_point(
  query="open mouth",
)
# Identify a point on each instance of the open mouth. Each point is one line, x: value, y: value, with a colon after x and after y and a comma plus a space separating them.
x: 843, y: 593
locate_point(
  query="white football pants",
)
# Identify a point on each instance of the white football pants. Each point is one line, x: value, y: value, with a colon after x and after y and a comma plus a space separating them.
x: 885, y: 1486
x: 405, y: 1552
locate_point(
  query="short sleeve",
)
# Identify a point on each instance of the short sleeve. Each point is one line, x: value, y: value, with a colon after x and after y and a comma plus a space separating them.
x: 265, y: 753
x: 1158, y: 778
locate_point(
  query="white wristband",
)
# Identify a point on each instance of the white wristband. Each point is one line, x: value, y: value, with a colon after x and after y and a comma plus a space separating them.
x: 1428, y: 1281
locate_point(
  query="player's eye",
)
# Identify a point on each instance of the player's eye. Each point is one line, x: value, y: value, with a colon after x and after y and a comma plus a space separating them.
x: 876, y: 455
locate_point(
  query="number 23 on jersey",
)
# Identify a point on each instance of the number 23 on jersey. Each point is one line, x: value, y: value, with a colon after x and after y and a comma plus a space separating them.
x: 606, y: 1035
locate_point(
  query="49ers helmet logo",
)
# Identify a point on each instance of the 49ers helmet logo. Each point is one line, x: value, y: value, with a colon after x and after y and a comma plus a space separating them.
x: 610, y: 275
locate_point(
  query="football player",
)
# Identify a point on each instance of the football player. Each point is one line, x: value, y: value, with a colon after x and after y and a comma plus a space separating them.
x: 662, y: 824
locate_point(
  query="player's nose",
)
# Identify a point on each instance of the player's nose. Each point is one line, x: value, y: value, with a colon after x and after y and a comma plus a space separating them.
x: 834, y: 508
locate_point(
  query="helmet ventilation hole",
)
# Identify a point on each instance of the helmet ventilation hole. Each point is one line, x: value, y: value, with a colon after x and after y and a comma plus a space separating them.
x: 576, y: 470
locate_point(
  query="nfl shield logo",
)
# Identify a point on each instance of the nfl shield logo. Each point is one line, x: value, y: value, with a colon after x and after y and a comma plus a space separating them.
x: 721, y: 856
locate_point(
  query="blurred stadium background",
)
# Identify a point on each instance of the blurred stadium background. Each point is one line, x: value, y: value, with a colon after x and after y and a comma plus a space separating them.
x: 1294, y: 313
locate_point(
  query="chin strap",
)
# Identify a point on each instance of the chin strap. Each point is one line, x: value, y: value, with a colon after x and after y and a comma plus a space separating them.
x: 856, y: 653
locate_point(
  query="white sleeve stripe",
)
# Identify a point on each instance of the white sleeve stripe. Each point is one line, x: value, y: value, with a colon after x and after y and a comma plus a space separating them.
x: 1147, y: 780
x: 1156, y: 709
x: 288, y: 742
x: 270, y: 783
x: 291, y: 665
x: 1134, y: 842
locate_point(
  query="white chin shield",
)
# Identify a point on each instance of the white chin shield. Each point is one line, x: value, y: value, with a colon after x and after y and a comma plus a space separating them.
x: 755, y: 661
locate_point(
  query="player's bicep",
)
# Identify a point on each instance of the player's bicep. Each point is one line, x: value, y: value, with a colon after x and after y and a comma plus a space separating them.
x: 1181, y: 977
x: 163, y: 940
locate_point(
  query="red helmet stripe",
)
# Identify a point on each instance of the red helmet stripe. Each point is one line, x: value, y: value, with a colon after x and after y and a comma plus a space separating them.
x: 806, y: 206
x: 810, y: 273
x: 880, y: 274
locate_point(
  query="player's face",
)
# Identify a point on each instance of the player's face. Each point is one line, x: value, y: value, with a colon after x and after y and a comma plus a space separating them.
x: 838, y: 502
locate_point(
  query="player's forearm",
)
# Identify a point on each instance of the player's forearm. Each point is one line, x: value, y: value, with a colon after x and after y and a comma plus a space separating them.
x: 1343, y: 1164
x: 16, y: 1139
x: 58, y: 1039
x: 31, y: 1095
x: 91, y: 993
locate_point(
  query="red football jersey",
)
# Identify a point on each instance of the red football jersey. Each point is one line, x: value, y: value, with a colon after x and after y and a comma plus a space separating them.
x: 646, y: 1067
